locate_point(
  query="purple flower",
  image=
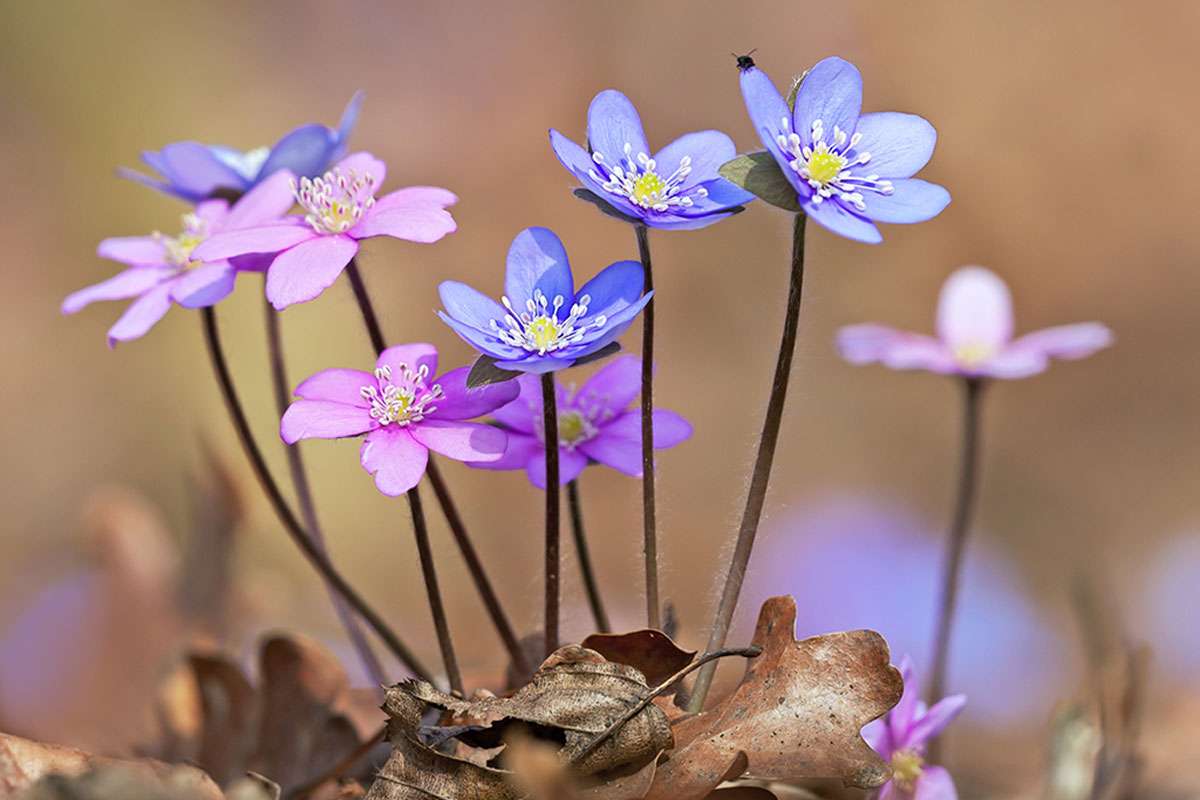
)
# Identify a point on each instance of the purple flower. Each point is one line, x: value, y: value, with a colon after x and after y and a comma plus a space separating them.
x: 849, y: 171
x: 544, y: 325
x: 676, y: 188
x: 975, y: 326
x: 167, y: 269
x: 340, y: 209
x: 193, y: 172
x: 403, y: 413
x: 594, y: 424
x: 900, y: 738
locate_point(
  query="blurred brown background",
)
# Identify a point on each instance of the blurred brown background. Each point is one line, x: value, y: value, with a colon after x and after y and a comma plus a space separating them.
x: 1067, y: 138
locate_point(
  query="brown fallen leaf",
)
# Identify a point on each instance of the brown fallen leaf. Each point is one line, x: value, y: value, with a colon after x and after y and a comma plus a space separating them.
x: 796, y: 715
x: 651, y: 652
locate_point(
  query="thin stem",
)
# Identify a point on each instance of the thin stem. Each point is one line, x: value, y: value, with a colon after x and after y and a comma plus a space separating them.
x: 304, y: 497
x: 649, y: 512
x: 436, y: 607
x: 585, y: 559
x: 319, y: 560
x: 483, y: 584
x: 762, y: 468
x: 550, y: 428
x: 956, y: 542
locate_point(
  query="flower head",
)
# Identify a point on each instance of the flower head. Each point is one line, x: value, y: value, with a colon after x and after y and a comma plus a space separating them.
x: 165, y: 269
x: 543, y: 324
x: 975, y: 325
x: 849, y: 170
x: 340, y: 208
x: 403, y: 413
x: 193, y: 171
x: 678, y: 187
x: 594, y: 425
x: 900, y: 738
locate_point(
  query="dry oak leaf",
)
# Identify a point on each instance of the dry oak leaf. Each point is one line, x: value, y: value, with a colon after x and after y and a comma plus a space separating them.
x: 796, y: 715
x: 649, y: 651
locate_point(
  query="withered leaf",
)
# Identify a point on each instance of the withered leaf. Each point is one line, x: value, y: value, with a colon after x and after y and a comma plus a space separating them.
x: 759, y: 174
x: 796, y: 715
x: 650, y: 652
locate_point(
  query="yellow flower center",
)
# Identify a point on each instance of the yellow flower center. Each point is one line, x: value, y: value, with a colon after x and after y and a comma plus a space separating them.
x: 823, y: 167
x: 907, y: 766
x: 179, y: 248
x: 648, y: 189
x: 972, y: 354
x: 571, y: 426
x: 543, y: 332
x: 400, y: 405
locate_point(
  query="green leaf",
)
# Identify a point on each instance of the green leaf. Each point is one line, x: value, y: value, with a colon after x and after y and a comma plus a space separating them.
x: 485, y: 372
x: 759, y: 174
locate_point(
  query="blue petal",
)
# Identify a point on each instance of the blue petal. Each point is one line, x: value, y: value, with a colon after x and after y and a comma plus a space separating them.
x: 832, y: 93
x: 832, y: 215
x: 913, y: 200
x: 161, y: 186
x: 485, y: 343
x: 613, y: 122
x: 470, y: 305
x: 708, y: 151
x: 675, y: 222
x: 570, y: 155
x: 305, y: 151
x: 614, y: 288
x: 193, y: 168
x: 769, y: 112
x: 537, y: 260
x: 899, y: 144
x: 722, y: 195
x: 535, y: 364
x: 599, y: 338
x: 346, y: 125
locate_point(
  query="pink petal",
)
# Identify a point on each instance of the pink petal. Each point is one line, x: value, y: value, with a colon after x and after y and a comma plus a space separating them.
x: 974, y: 310
x: 261, y: 239
x: 141, y: 315
x: 1011, y: 364
x: 1067, y: 341
x: 417, y: 197
x: 129, y: 283
x: 878, y: 737
x: 323, y: 419
x: 414, y: 224
x: 520, y: 414
x: 144, y: 250
x: 519, y: 451
x: 303, y: 272
x: 934, y: 721
x: 266, y: 202
x: 212, y: 211
x: 614, y: 386
x: 204, y: 285
x: 570, y: 464
x: 412, y: 356
x: 935, y: 783
x: 395, y: 458
x: 364, y: 164
x: 337, y: 386
x: 900, y: 718
x: 462, y: 441
x: 864, y: 344
x: 622, y: 453
x: 460, y: 402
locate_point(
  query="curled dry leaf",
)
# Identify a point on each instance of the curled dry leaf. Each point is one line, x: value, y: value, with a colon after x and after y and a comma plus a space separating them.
x: 649, y: 651
x: 796, y: 715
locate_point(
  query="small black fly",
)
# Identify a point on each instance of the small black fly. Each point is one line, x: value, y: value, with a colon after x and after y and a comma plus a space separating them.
x: 744, y: 62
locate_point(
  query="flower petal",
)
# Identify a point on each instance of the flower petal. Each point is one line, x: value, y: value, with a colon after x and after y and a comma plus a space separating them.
x: 305, y: 152
x: 619, y: 443
x: 266, y: 202
x: 195, y: 169
x: 462, y: 441
x: 878, y: 737
x: 416, y: 197
x: 204, y: 285
x: 935, y: 783
x: 570, y: 464
x: 1079, y: 340
x: 570, y: 155
x: 127, y: 283
x: 301, y: 273
x: 613, y: 122
x: 708, y: 150
x: 260, y: 239
x: 900, y: 718
x: 460, y: 402
x: 670, y: 429
x: 768, y: 112
x: 832, y: 93
x: 413, y: 356
x: 534, y: 364
x: 348, y: 121
x: 1010, y: 364
x: 363, y: 163
x: 614, y: 288
x: 337, y: 385
x: 424, y: 224
x: 865, y: 344
x: 538, y: 260
x: 525, y: 408
x: 323, y: 419
x: 935, y: 720
x: 482, y: 341
x: 974, y: 310
x: 834, y: 217
x: 395, y: 458
x: 613, y: 387
x: 899, y: 144
x: 518, y: 452
x: 141, y: 315
x: 136, y: 250
x: 912, y: 200
x: 469, y: 305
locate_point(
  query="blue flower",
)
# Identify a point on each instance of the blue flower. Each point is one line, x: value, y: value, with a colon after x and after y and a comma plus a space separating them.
x: 192, y: 171
x: 676, y: 188
x: 849, y: 170
x: 543, y: 324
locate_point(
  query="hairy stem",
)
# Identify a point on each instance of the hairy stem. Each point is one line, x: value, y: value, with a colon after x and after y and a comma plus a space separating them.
x: 585, y: 559
x: 649, y: 511
x: 550, y: 428
x: 436, y: 607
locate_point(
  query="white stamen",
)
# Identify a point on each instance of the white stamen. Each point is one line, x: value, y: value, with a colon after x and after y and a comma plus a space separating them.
x: 813, y: 161
x: 539, y: 330
x: 336, y: 201
x: 410, y: 401
x: 637, y: 180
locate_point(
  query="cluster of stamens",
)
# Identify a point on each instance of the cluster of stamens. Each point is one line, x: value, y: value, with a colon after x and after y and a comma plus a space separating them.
x: 973, y: 354
x: 636, y: 179
x: 538, y: 329
x: 577, y: 424
x: 336, y: 201
x: 828, y: 167
x: 179, y: 248
x: 404, y: 404
x: 907, y: 766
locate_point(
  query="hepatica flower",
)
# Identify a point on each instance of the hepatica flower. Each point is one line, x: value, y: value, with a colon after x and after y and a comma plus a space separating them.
x: 193, y: 171
x: 402, y: 412
x: 900, y: 738
x: 975, y: 326
x: 544, y: 324
x: 340, y: 209
x: 594, y: 425
x: 677, y: 187
x: 165, y: 269
x: 849, y: 170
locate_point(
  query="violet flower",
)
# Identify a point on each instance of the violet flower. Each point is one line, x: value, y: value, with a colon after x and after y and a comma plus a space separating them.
x: 192, y: 171
x: 676, y: 188
x: 544, y: 325
x: 900, y: 738
x: 402, y: 412
x: 975, y: 326
x: 594, y: 425
x: 166, y: 269
x: 849, y: 170
x: 340, y: 210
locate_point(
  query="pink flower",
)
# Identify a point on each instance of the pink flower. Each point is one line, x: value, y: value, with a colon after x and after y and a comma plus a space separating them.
x: 167, y: 269
x: 340, y: 209
x: 900, y: 738
x: 403, y: 413
x: 975, y: 327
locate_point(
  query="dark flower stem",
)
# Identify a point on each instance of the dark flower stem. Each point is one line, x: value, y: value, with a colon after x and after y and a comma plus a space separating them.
x: 436, y: 607
x: 292, y: 525
x: 956, y: 542
x: 458, y: 529
x: 550, y: 433
x: 649, y: 512
x: 304, y: 498
x: 585, y: 559
x: 762, y: 469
